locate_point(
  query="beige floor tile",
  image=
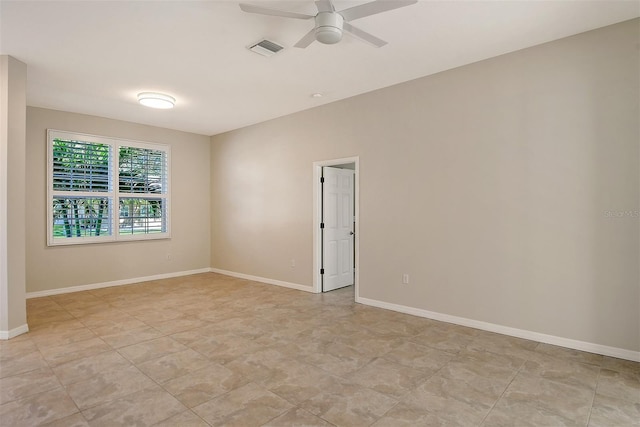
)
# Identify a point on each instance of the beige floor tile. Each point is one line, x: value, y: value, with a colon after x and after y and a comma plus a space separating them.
x: 216, y: 314
x: 152, y: 349
x: 7, y: 344
x: 418, y: 356
x: 369, y: 343
x: 256, y: 365
x: 388, y: 377
x: 183, y: 323
x: 401, y: 327
x: 328, y: 332
x: 75, y: 297
x: 19, y: 358
x: 62, y: 337
x: 107, y: 386
x: 155, y: 315
x: 284, y: 330
x: 14, y: 348
x: 38, y: 409
x: 100, y: 310
x: 249, y: 405
x: 88, y: 367
x: 403, y: 415
x: 491, y: 359
x: 529, y: 393
x: 569, y: 354
x: 452, y: 327
x: 245, y: 326
x: 503, y: 344
x: 64, y: 353
x: 41, y: 303
x: 299, y: 418
x: 192, y: 336
x: 113, y: 325
x: 521, y: 414
x: 183, y: 419
x: 608, y: 412
x: 224, y: 349
x: 37, y: 320
x: 143, y: 408
x: 75, y: 420
x: 207, y: 336
x: 337, y: 358
x: 173, y: 365
x: 203, y: 385
x: 131, y: 336
x: 296, y: 381
x: 349, y: 404
x: 54, y: 327
x: 442, y: 339
x: 487, y: 379
x: 620, y: 365
x: 566, y: 371
x: 619, y: 385
x: 451, y: 400
x: 366, y: 315
x: 27, y: 384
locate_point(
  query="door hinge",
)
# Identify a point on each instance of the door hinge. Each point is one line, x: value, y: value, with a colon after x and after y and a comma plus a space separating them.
x: 322, y: 271
x: 322, y: 225
x: 322, y: 180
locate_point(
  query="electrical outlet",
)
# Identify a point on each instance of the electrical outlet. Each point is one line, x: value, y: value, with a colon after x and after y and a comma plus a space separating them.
x: 293, y: 263
x: 405, y: 279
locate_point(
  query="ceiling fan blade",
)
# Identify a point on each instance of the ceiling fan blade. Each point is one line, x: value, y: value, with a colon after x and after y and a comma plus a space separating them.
x: 250, y: 8
x: 373, y: 7
x: 363, y: 35
x: 308, y: 38
x: 325, y: 6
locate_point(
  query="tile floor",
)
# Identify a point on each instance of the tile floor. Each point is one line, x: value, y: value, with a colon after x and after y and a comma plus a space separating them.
x: 213, y: 350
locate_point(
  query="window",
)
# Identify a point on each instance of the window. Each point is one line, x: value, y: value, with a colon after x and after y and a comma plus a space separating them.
x: 105, y: 189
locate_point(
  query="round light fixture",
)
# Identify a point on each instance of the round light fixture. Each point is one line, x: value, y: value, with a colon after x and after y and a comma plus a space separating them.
x: 316, y: 95
x: 329, y: 27
x: 328, y: 35
x: 156, y: 100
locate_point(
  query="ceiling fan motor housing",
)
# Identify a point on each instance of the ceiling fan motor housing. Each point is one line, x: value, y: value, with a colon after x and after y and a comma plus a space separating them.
x: 329, y: 27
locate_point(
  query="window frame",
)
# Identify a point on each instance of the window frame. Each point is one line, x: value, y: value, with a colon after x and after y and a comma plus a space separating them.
x: 113, y: 193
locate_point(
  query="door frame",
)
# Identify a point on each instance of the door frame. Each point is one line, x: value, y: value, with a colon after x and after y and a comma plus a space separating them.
x: 317, y: 215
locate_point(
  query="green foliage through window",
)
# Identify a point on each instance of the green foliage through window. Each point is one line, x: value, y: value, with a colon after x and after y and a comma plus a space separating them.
x: 90, y: 175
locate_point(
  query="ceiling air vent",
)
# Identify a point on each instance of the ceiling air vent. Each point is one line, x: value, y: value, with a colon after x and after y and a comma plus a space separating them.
x: 266, y: 48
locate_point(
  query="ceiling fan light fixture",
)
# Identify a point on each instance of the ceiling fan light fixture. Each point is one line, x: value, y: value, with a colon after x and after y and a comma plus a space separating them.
x: 329, y: 27
x: 328, y: 35
x: 329, y: 24
x: 156, y: 100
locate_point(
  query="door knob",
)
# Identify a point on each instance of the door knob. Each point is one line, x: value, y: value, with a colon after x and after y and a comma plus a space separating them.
x: 351, y: 233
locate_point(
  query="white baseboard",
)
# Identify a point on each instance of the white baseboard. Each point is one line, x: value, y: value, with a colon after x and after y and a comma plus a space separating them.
x: 7, y: 335
x: 114, y: 283
x: 506, y: 330
x: 263, y: 280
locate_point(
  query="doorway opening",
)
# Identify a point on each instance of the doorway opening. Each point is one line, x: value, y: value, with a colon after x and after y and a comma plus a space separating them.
x: 336, y: 224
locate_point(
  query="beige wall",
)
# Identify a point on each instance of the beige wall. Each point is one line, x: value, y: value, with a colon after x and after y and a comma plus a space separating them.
x: 13, y: 98
x: 64, y: 266
x: 489, y: 184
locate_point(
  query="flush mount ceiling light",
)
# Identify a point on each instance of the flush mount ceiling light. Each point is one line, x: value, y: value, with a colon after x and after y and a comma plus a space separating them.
x: 156, y: 100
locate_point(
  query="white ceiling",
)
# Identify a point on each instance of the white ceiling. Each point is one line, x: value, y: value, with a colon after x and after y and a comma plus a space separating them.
x: 93, y: 57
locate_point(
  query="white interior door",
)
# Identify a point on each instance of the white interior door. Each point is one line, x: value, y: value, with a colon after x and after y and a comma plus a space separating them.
x: 338, y: 232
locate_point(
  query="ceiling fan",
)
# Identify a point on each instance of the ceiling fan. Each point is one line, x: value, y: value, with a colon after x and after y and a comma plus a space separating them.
x: 330, y: 24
